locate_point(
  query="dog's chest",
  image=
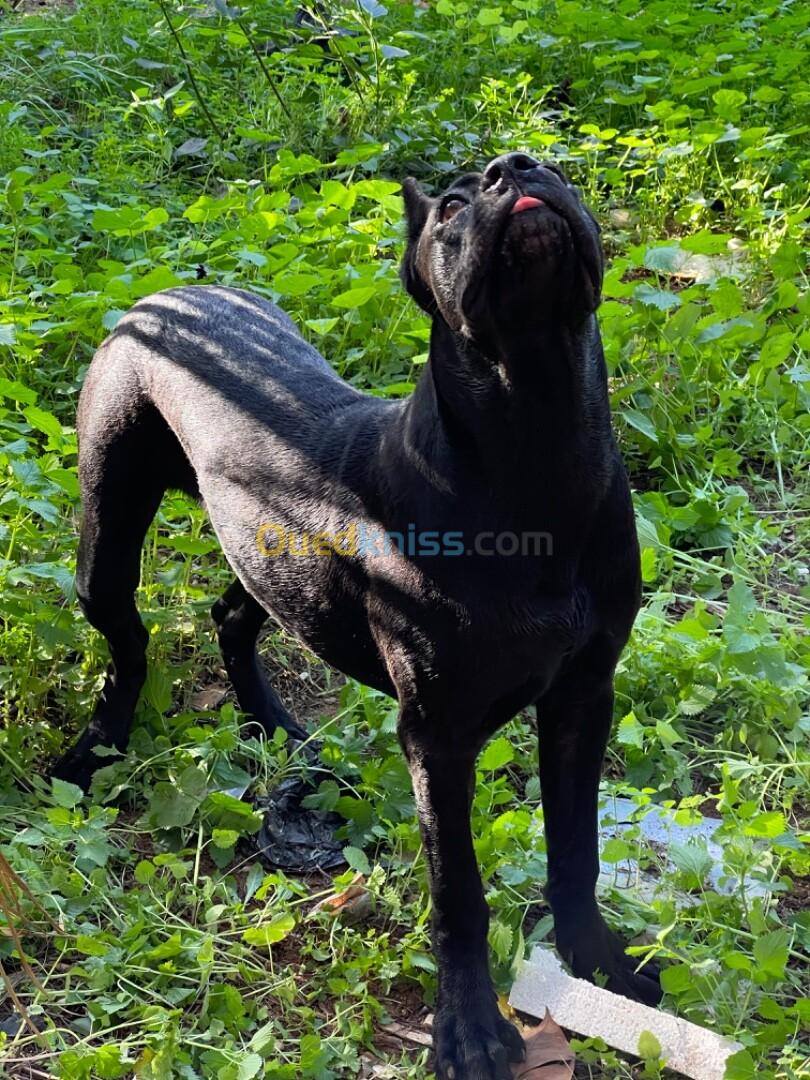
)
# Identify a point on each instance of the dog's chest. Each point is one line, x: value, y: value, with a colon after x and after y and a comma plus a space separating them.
x: 489, y: 651
x: 530, y: 636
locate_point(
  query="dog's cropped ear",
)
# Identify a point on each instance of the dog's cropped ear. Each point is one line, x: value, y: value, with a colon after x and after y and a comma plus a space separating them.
x: 593, y: 263
x: 417, y: 208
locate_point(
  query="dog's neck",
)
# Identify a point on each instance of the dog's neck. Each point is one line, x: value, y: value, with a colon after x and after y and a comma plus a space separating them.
x: 533, y: 407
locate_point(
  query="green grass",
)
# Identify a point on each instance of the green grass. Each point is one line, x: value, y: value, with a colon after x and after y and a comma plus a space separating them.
x: 127, y: 166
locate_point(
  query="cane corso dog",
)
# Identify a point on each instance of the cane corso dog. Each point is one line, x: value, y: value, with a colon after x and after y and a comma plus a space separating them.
x: 507, y: 436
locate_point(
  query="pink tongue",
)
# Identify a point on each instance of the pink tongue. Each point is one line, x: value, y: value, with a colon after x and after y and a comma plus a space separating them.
x: 526, y: 202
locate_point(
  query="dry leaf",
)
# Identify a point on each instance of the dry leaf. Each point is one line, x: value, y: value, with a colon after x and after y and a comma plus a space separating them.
x: 353, y: 903
x: 209, y: 698
x: 408, y: 1034
x: 548, y: 1054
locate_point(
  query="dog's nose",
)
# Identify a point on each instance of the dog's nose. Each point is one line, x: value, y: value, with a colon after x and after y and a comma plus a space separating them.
x: 510, y: 165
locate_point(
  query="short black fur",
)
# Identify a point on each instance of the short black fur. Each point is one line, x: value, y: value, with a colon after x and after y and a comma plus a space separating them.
x: 508, y: 432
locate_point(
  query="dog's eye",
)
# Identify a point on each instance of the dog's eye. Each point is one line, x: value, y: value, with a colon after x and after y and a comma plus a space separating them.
x: 451, y: 208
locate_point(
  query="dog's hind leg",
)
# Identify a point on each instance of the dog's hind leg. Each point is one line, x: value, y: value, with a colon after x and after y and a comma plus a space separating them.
x: 239, y: 618
x: 107, y: 575
x: 127, y: 459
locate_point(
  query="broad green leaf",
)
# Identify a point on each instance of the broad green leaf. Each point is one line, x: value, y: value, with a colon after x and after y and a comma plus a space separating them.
x: 667, y: 733
x: 641, y: 422
x: 270, y: 933
x: 159, y: 278
x: 740, y: 1066
x: 166, y: 950
x: 666, y: 259
x: 693, y: 859
x: 676, y: 979
x: 615, y: 850
x: 155, y: 217
x: 91, y: 946
x: 657, y: 298
x: 111, y: 318
x: 768, y: 825
x: 321, y: 326
x: 295, y: 284
x: 501, y: 936
x: 16, y: 391
x: 706, y: 243
x: 229, y: 812
x: 191, y: 147
x: 170, y: 808
x: 43, y: 421
x: 771, y: 952
x: 631, y: 732
x: 335, y: 193
x: 256, y: 134
x: 264, y: 1038
x: 649, y: 1048
x: 64, y: 794
x: 729, y: 103
x: 649, y: 565
x: 490, y: 16
x: 357, y: 860
x: 207, y: 208
x: 771, y: 1010
x: 224, y: 838
x: 250, y: 1065
x: 289, y: 165
x: 193, y: 781
x: 144, y: 872
x: 157, y: 689
x: 355, y: 298
x: 109, y: 1063
x: 737, y: 961
x: 531, y: 789
x: 311, y: 1054
x: 497, y: 753
x: 776, y: 349
x: 376, y: 189
x: 248, y: 255
x: 123, y: 219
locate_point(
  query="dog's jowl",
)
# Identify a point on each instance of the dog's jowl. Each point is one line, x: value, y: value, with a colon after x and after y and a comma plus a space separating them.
x: 470, y: 550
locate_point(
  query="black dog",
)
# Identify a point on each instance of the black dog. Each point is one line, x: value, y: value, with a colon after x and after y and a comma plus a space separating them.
x: 213, y: 391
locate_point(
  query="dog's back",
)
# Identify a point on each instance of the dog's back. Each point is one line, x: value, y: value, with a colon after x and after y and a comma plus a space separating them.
x: 205, y: 355
x: 213, y: 391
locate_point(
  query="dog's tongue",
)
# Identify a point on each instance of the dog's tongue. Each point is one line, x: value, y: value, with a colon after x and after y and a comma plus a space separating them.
x: 526, y: 202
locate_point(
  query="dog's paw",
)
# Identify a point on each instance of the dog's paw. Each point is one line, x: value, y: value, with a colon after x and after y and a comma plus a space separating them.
x: 78, y: 764
x: 597, y: 954
x: 294, y: 730
x: 475, y: 1044
x: 643, y: 985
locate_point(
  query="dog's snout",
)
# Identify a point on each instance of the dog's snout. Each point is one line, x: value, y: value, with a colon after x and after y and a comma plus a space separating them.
x: 507, y: 165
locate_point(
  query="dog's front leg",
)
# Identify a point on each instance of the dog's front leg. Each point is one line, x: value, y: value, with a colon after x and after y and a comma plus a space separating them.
x: 471, y: 1039
x: 573, y: 734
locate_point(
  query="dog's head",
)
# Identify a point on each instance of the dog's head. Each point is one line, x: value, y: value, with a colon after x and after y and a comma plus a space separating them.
x: 502, y: 250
